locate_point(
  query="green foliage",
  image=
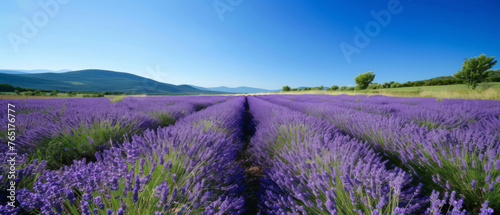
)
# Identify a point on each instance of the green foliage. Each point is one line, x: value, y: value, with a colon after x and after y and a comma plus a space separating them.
x: 343, y: 88
x: 54, y: 93
x: 38, y: 93
x: 475, y: 70
x: 375, y: 86
x: 29, y: 93
x: 163, y: 118
x: 93, y: 95
x: 396, y: 85
x: 286, y: 88
x: 364, y: 80
x: 80, y: 143
x: 6, y: 88
x: 116, y: 99
x: 318, y: 88
x: 494, y: 77
x: 17, y: 92
x: 334, y: 87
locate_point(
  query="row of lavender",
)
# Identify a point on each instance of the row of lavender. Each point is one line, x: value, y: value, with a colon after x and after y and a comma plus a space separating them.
x: 170, y: 170
x: 54, y: 132
x: 312, y: 167
x: 60, y: 130
x: 449, y: 113
x: 457, y: 155
x: 40, y: 119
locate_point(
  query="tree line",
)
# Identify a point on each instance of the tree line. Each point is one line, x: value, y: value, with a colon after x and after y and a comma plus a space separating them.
x: 474, y: 71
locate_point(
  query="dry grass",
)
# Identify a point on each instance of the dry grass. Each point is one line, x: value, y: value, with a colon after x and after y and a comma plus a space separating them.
x: 489, y: 93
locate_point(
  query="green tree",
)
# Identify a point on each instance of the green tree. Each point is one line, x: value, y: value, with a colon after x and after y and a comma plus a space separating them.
x: 54, y: 92
x: 395, y: 85
x: 17, y: 92
x: 418, y: 83
x: 38, y: 93
x: 475, y: 70
x: 364, y: 80
x: 334, y: 87
x: 375, y: 86
x: 286, y: 88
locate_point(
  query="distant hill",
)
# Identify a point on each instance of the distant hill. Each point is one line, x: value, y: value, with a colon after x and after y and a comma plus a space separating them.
x: 96, y: 81
x: 12, y: 72
x: 236, y: 89
x: 496, y: 73
x: 45, y: 71
x: 19, y: 71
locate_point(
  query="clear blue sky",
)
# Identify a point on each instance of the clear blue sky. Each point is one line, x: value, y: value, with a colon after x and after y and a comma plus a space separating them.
x: 260, y: 43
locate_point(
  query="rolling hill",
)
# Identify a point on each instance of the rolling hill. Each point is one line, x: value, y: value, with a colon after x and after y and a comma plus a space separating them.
x: 495, y: 73
x: 97, y: 81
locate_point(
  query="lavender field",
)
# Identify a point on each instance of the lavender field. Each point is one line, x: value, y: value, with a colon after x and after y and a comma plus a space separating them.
x: 268, y: 154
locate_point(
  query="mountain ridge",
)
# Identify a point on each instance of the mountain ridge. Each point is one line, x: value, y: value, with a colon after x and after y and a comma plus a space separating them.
x: 94, y: 80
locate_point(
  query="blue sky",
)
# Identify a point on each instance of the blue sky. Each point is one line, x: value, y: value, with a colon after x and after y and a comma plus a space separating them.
x: 259, y: 43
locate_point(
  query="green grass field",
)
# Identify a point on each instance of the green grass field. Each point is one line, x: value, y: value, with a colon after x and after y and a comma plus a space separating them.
x: 482, y: 86
x: 489, y: 90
